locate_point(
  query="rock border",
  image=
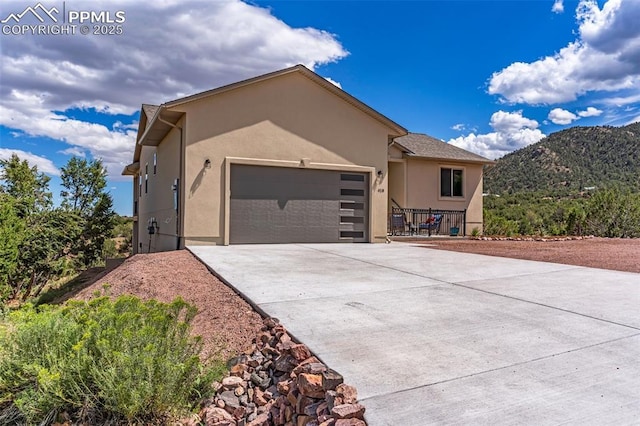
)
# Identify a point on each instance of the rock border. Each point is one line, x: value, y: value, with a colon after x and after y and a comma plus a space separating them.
x: 541, y: 239
x: 279, y: 382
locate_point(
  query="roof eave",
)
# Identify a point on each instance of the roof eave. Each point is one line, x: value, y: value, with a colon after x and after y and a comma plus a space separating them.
x: 403, y: 148
x: 160, y: 126
x: 457, y: 160
x: 131, y: 169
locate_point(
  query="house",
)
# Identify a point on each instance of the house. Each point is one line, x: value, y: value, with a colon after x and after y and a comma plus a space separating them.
x: 282, y: 157
x: 425, y: 171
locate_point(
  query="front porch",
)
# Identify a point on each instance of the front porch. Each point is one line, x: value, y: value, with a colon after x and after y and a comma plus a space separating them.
x: 427, y: 222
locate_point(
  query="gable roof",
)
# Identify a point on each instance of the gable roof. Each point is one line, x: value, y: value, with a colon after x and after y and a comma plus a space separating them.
x: 420, y: 145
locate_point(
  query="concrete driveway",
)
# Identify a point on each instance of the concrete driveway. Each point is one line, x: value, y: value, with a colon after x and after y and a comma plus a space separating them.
x: 437, y: 337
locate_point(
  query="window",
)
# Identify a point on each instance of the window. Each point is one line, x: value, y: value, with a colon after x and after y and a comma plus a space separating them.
x: 146, y: 178
x: 155, y: 162
x: 139, y: 185
x: 450, y: 182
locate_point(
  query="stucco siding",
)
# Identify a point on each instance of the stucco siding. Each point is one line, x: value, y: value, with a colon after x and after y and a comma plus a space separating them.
x: 397, y: 185
x: 158, y: 200
x: 288, y: 118
x: 423, y: 189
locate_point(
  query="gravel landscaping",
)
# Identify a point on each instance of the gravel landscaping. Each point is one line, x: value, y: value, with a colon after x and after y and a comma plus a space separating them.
x: 605, y: 253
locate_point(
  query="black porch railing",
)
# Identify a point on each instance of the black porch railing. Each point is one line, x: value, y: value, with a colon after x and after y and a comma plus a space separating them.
x: 427, y: 222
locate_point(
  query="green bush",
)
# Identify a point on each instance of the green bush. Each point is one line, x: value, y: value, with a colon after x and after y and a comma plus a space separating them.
x: 614, y: 213
x: 103, y: 361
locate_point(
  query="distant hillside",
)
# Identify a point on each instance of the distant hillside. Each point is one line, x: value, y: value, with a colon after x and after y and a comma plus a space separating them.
x: 571, y: 159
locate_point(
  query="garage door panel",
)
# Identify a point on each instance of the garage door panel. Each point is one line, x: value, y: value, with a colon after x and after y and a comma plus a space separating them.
x: 286, y: 205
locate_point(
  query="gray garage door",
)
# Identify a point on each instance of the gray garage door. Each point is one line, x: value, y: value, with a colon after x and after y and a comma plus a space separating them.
x: 288, y: 205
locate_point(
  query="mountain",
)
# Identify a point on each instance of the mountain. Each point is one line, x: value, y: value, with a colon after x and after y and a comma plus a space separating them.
x: 573, y: 159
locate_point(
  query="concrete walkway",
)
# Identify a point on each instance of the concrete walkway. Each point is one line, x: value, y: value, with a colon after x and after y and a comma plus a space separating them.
x: 437, y: 337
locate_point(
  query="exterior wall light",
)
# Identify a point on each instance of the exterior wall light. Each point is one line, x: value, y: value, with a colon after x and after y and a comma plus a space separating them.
x: 207, y: 164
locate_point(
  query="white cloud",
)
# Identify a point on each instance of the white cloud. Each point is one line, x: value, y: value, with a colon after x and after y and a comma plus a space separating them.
x: 73, y: 151
x: 562, y: 116
x: 509, y: 122
x: 512, y: 131
x: 622, y: 100
x: 590, y: 112
x: 114, y: 147
x: 170, y: 49
x: 606, y: 58
x: 633, y: 120
x: 335, y: 83
x: 558, y: 6
x: 44, y: 164
x: 458, y: 127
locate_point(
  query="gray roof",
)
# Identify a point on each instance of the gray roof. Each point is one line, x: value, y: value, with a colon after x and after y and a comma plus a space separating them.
x: 425, y: 146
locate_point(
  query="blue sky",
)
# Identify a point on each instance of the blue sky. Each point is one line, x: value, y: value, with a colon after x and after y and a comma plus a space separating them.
x: 488, y: 76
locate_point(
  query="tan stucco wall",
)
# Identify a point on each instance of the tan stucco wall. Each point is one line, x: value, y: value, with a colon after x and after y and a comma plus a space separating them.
x: 158, y: 201
x: 423, y: 189
x: 397, y: 184
x: 284, y: 118
x: 395, y: 153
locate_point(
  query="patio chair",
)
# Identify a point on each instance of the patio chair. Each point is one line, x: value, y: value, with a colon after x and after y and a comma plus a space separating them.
x: 432, y: 224
x: 398, y: 224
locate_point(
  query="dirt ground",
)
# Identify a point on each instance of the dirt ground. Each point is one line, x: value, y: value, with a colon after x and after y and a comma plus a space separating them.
x: 606, y: 253
x: 223, y: 316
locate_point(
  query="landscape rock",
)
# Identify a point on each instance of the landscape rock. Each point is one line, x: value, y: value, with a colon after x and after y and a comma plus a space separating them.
x: 232, y: 382
x: 262, y: 382
x: 300, y: 352
x: 213, y: 415
x: 230, y: 399
x: 258, y: 397
x: 280, y: 383
x: 310, y: 385
x: 349, y: 422
x: 349, y: 394
x: 310, y: 366
x: 348, y: 411
x: 333, y: 399
x: 260, y: 420
x: 238, y: 370
x: 303, y: 420
x: 331, y: 379
x: 285, y: 363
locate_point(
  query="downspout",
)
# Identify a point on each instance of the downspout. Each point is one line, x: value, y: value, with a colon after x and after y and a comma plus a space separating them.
x: 179, y: 219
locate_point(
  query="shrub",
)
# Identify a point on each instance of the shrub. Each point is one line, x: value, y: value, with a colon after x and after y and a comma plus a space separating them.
x: 102, y: 361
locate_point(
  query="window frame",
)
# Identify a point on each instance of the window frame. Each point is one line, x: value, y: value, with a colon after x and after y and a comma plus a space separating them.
x: 452, y: 187
x: 146, y: 178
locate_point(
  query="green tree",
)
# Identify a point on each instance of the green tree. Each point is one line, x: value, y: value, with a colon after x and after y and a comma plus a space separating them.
x: 12, y: 228
x: 44, y: 250
x: 84, y: 194
x: 98, y: 229
x: 84, y: 183
x: 614, y: 212
x: 35, y: 239
x: 25, y: 184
